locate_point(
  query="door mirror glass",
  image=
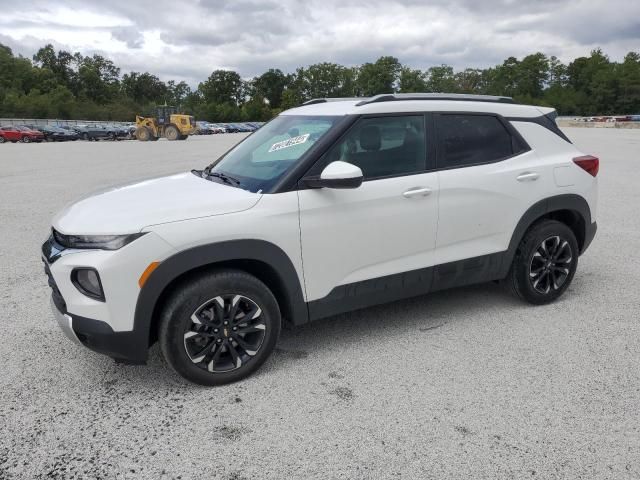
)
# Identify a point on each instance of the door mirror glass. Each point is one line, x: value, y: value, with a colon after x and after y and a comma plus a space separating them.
x: 337, y: 174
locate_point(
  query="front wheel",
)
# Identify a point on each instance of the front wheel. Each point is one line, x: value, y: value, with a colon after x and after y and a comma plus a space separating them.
x: 171, y: 133
x: 143, y: 134
x: 545, y: 263
x: 26, y: 139
x: 219, y: 327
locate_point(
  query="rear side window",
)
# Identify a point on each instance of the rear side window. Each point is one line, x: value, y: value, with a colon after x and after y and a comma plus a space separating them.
x: 473, y: 139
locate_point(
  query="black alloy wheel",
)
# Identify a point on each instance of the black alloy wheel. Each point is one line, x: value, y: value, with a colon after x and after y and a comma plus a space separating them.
x: 224, y: 333
x: 219, y: 327
x: 545, y: 263
x: 550, y: 265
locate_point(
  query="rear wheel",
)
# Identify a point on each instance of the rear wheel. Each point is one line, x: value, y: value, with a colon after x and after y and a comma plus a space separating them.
x: 26, y: 139
x: 545, y: 263
x: 143, y: 134
x: 2, y: 139
x: 220, y: 327
x: 172, y: 133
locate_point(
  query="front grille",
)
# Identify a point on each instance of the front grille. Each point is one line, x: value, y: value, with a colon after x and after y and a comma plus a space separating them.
x: 58, y: 300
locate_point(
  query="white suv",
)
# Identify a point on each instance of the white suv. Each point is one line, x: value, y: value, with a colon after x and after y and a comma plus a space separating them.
x: 333, y: 206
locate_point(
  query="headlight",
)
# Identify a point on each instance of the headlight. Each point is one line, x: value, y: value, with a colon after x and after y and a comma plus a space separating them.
x: 101, y: 242
x: 87, y: 281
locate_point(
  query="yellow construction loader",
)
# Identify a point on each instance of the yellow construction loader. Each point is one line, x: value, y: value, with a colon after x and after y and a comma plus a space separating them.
x: 167, y: 124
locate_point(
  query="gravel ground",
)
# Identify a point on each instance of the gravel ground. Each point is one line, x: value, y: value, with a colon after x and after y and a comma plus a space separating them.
x: 468, y: 383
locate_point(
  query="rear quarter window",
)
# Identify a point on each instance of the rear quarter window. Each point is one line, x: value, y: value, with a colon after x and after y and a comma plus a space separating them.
x: 473, y: 139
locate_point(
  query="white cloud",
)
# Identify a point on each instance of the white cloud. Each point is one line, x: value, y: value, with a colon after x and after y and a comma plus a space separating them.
x: 189, y: 40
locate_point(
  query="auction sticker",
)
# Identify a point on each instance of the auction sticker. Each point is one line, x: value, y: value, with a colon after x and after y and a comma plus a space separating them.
x: 289, y: 142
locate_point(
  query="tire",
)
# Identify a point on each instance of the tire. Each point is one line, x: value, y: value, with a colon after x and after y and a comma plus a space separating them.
x: 183, y: 137
x: 143, y: 134
x: 26, y: 139
x: 544, y: 264
x: 172, y: 133
x: 2, y: 139
x: 85, y: 136
x: 209, y: 359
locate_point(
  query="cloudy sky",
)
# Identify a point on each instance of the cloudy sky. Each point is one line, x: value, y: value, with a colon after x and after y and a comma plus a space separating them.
x: 186, y: 40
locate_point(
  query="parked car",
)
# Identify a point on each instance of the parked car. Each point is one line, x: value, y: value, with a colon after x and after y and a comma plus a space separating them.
x: 241, y: 127
x: 10, y: 134
x: 230, y: 128
x: 217, y: 128
x: 20, y: 134
x: 117, y: 132
x: 247, y: 127
x: 202, y: 128
x: 92, y: 132
x: 409, y: 194
x: 54, y: 134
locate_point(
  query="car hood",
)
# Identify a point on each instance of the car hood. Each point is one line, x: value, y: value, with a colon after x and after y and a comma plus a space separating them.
x: 132, y: 207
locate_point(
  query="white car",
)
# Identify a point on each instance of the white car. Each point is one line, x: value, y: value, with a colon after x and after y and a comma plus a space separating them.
x: 328, y: 208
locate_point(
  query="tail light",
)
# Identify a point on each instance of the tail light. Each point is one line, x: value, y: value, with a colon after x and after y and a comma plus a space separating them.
x: 588, y: 163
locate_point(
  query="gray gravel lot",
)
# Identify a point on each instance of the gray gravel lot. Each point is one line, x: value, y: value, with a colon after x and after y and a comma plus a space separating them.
x: 469, y: 383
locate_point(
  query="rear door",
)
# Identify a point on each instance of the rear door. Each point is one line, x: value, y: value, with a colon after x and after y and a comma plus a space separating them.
x: 384, y: 227
x: 488, y: 178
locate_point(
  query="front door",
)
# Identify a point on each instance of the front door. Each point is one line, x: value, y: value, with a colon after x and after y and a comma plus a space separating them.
x: 386, y: 226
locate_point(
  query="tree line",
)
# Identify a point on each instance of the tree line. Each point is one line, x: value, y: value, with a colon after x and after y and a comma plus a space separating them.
x: 65, y: 85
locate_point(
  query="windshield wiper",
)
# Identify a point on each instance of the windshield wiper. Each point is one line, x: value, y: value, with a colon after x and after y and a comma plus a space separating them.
x: 223, y: 177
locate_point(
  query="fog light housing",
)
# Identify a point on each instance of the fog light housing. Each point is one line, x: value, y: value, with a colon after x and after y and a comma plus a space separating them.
x: 87, y: 281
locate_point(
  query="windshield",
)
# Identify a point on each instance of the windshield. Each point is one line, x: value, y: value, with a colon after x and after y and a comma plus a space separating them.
x: 267, y: 154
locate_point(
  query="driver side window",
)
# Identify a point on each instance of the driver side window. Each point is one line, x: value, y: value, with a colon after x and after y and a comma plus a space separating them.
x: 383, y: 146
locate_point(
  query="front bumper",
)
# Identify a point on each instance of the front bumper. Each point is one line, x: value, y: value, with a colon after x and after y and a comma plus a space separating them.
x: 65, y: 322
x: 106, y: 327
x: 124, y: 347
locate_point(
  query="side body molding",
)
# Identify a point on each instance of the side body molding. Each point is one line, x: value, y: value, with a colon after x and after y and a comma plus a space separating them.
x: 274, y: 259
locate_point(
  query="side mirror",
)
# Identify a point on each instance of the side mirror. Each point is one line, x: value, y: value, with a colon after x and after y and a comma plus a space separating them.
x: 337, y: 175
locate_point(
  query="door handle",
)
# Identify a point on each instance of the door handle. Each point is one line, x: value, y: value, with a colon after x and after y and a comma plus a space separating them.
x: 417, y: 192
x: 527, y: 177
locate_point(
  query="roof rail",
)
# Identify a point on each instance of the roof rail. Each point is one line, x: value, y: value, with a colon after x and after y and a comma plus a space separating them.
x: 313, y: 101
x: 394, y: 97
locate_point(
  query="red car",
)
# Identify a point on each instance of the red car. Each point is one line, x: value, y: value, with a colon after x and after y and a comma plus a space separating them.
x: 20, y: 134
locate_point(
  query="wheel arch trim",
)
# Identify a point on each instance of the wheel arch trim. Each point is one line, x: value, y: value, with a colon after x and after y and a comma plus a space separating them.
x: 570, y: 202
x: 209, y: 255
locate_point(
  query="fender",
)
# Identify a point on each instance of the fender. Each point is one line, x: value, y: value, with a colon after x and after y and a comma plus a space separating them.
x: 571, y: 202
x: 203, y: 255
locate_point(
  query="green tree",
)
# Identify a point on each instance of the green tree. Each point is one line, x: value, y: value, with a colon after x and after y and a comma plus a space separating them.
x: 223, y: 86
x: 378, y: 77
x: 441, y: 79
x: 411, y: 81
x: 144, y: 88
x: 628, y: 73
x: 328, y: 80
x: 270, y: 85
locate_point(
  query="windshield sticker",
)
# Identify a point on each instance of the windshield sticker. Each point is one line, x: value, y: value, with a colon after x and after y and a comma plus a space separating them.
x: 289, y: 143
